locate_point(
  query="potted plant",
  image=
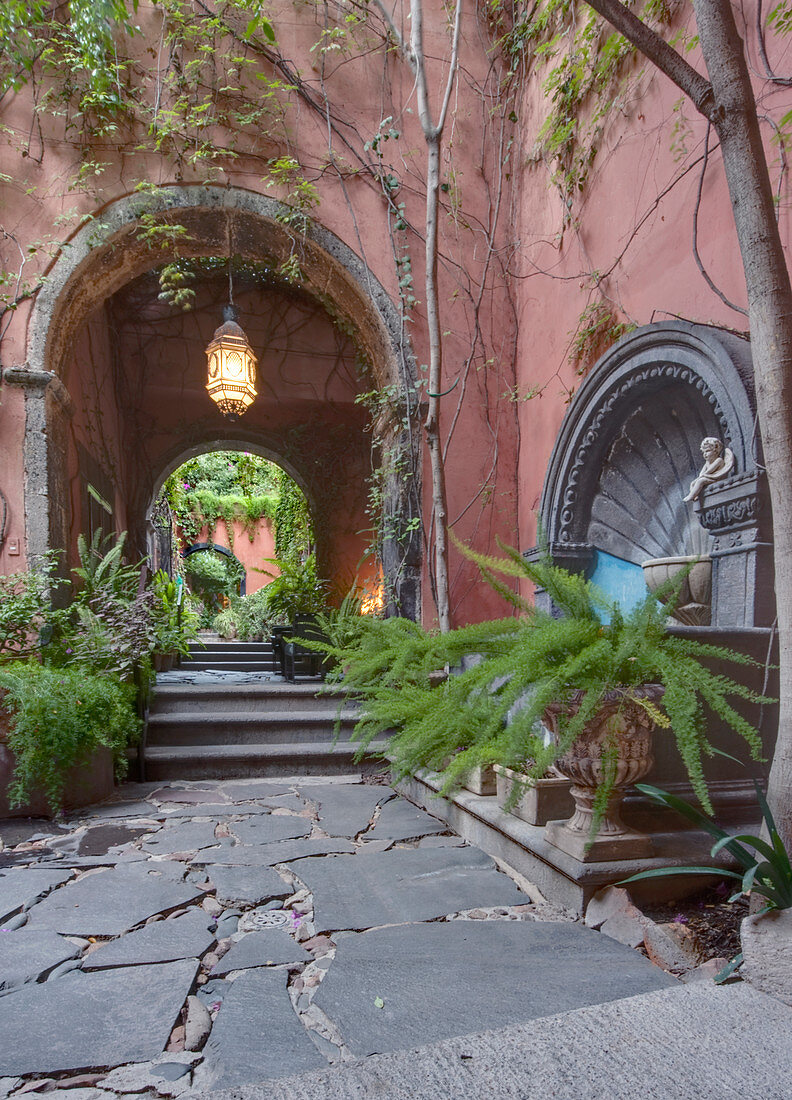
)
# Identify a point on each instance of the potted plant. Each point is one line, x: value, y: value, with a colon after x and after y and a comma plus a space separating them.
x: 174, y: 624
x: 62, y: 732
x: 600, y: 679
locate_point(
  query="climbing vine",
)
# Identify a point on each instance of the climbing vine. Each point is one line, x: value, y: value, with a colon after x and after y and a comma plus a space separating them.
x: 237, y: 488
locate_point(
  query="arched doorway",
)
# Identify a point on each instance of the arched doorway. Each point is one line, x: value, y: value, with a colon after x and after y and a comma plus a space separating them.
x: 129, y: 374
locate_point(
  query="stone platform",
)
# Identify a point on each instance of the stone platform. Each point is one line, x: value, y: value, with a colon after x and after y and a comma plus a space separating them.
x: 191, y: 937
x: 560, y: 877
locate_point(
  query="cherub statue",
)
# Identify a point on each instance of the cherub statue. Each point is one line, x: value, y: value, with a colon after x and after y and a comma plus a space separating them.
x: 718, y: 464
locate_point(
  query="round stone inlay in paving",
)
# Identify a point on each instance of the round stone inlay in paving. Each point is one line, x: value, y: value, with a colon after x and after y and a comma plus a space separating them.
x: 264, y: 918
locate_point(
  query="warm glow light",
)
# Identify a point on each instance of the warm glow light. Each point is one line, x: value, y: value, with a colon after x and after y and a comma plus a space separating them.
x: 231, y: 381
x: 373, y: 602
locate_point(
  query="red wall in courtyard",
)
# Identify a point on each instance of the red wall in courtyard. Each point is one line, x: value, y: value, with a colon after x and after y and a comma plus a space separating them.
x: 517, y: 269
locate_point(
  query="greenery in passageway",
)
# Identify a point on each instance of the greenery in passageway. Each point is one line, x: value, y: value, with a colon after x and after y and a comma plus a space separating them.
x: 239, y: 487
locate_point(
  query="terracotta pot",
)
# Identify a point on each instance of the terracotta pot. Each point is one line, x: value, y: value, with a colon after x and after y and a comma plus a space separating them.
x: 625, y: 723
x: 87, y: 782
x: 695, y: 597
x: 163, y: 662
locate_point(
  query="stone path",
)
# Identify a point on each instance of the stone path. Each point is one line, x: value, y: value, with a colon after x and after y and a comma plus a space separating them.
x: 191, y: 937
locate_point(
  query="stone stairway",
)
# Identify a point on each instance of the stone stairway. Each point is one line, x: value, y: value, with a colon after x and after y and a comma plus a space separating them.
x: 251, y: 728
x: 230, y: 657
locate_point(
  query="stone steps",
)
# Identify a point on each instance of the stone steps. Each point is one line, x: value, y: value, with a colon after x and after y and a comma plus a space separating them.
x: 219, y: 727
x: 223, y: 729
x: 230, y: 657
x: 241, y: 664
x: 182, y: 762
x: 280, y: 697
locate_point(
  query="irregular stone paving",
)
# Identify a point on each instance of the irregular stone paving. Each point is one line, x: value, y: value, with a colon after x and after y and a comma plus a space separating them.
x: 187, y: 937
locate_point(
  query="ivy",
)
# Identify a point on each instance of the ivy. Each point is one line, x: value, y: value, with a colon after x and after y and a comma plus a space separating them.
x: 598, y: 327
x: 292, y: 521
x: 585, y: 66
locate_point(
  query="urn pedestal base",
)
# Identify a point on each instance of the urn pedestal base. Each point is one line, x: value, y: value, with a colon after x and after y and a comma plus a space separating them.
x: 610, y: 846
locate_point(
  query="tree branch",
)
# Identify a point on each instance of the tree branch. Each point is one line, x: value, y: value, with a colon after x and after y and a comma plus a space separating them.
x: 657, y: 50
x: 404, y: 49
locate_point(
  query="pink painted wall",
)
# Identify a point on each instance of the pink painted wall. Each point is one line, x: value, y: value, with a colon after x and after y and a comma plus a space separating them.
x: 515, y: 275
x: 252, y: 553
x: 636, y: 237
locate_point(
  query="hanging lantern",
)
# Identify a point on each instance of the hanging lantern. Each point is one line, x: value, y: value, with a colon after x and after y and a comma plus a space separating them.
x: 231, y: 381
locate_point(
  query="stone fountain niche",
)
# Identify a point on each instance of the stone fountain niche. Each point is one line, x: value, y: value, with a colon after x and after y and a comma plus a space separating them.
x: 624, y: 460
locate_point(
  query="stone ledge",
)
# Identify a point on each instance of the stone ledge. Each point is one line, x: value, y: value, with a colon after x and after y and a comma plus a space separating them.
x: 562, y: 879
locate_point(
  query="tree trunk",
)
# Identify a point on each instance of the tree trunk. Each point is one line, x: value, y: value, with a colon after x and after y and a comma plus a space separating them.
x: 433, y: 133
x: 432, y: 423
x: 770, y: 316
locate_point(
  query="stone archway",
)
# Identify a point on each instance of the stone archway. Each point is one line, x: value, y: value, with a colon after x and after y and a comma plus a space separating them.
x: 216, y: 548
x: 108, y: 254
x: 628, y: 449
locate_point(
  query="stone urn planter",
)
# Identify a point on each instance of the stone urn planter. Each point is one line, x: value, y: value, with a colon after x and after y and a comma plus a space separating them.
x: 90, y: 781
x: 542, y: 799
x: 767, y: 952
x: 695, y: 596
x: 627, y: 726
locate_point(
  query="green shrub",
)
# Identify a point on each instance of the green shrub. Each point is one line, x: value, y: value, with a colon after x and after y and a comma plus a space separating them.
x: 175, y: 625
x: 57, y: 718
x: 25, y: 611
x: 247, y: 618
x: 212, y: 575
x: 297, y: 590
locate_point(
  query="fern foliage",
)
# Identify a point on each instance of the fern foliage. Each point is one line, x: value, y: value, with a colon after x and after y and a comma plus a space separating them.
x: 504, y: 674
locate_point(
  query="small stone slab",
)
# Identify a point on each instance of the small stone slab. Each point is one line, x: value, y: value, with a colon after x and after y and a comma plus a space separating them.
x: 18, y: 830
x: 119, y: 809
x: 248, y: 885
x: 21, y: 887
x: 442, y: 842
x: 400, y: 820
x: 184, y: 836
x: 239, y: 792
x: 189, y: 796
x: 262, y: 949
x: 98, y: 841
x: 346, y: 809
x: 268, y: 828
x: 110, y: 902
x: 403, y: 885
x: 284, y: 851
x: 257, y: 1035
x: 186, y: 937
x: 458, y: 977
x: 83, y: 1021
x: 27, y: 955
x: 219, y: 809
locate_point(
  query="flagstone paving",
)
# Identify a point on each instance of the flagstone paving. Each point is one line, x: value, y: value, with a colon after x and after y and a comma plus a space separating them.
x: 190, y: 937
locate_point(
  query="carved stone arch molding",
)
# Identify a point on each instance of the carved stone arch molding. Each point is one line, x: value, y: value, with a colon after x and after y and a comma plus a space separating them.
x: 108, y: 252
x: 629, y: 447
